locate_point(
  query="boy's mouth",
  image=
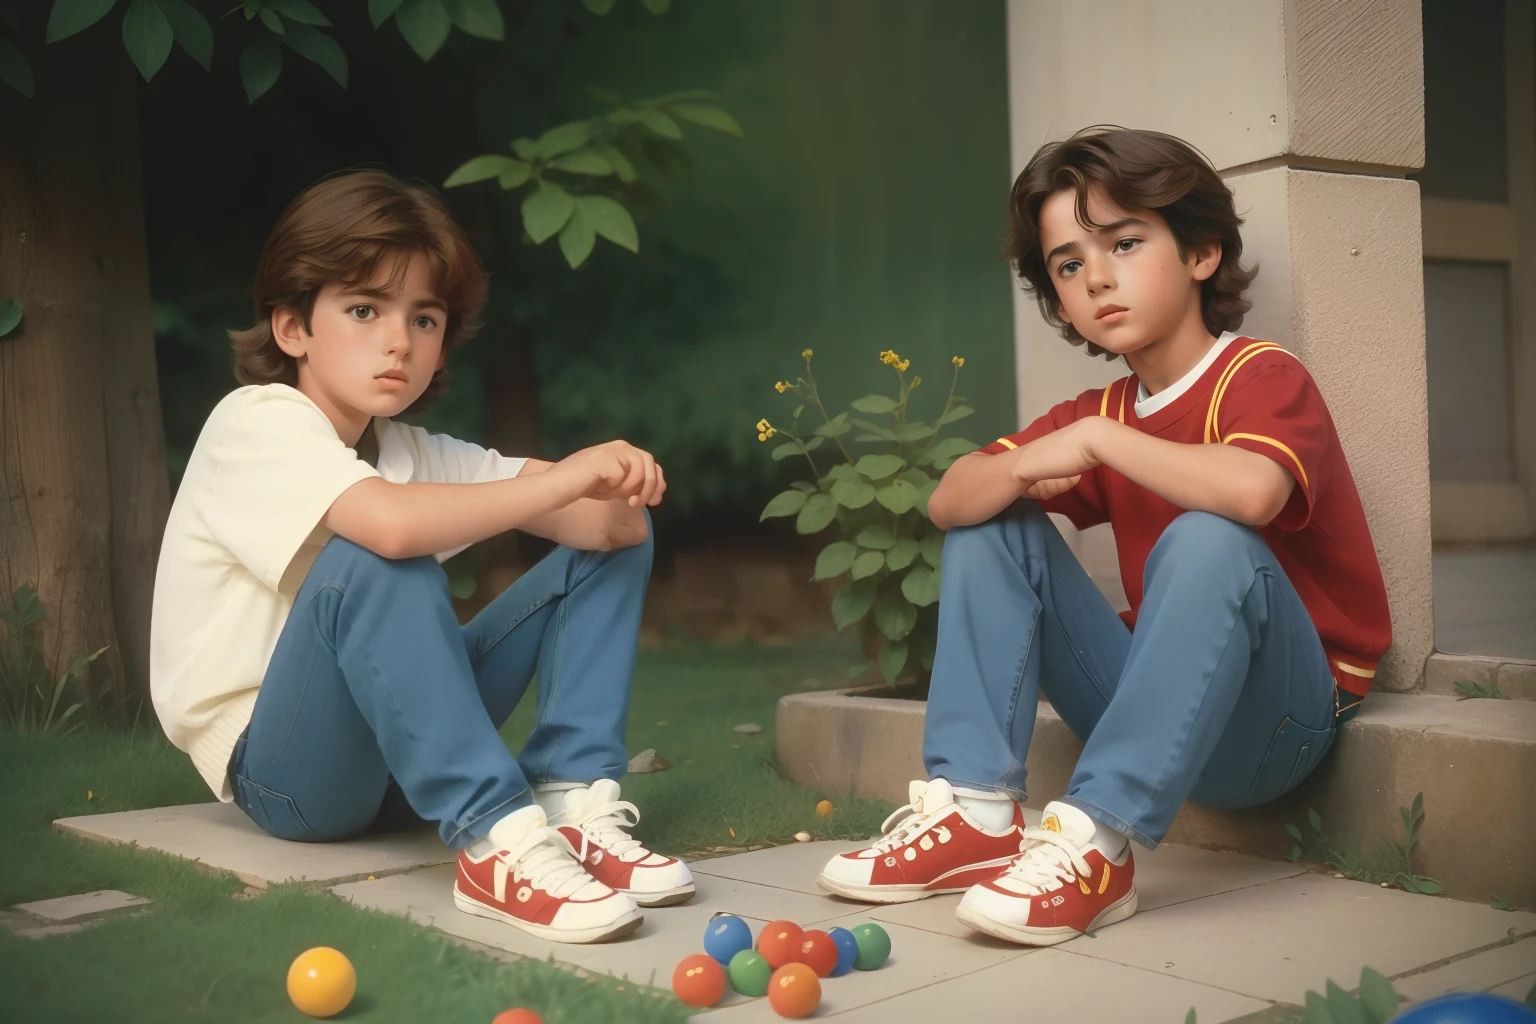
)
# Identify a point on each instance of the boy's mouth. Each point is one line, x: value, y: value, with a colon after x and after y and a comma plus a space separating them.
x: 1110, y: 313
x: 392, y: 376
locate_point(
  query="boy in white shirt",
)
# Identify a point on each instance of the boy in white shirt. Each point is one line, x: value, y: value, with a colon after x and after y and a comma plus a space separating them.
x: 304, y: 648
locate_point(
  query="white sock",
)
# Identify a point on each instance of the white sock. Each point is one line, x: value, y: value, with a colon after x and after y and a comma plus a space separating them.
x: 1109, y: 842
x: 551, y: 797
x: 992, y: 811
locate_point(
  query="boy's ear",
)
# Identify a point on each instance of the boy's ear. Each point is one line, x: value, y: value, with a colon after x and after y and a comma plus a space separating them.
x: 288, y: 331
x: 1207, y: 259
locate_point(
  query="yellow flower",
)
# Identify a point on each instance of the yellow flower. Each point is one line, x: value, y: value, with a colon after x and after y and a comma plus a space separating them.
x: 902, y: 366
x: 781, y: 386
x: 889, y: 358
x: 806, y: 354
x: 764, y: 431
x: 916, y: 381
x: 959, y: 361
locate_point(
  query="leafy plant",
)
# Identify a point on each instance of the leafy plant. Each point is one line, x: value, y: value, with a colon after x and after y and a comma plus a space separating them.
x: 1477, y: 691
x: 1403, y: 852
x: 891, y: 552
x: 1399, y: 868
x: 30, y: 699
x: 576, y: 173
x: 1321, y: 848
x: 1498, y: 902
x: 1376, y: 1003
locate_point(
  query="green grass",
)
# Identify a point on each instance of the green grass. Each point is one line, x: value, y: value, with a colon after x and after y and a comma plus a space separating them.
x: 201, y: 954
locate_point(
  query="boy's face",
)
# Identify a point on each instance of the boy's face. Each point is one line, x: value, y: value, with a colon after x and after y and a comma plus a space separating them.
x: 1123, y: 286
x: 371, y: 349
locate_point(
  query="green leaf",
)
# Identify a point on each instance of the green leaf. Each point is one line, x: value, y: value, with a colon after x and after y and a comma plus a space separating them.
x: 837, y: 426
x: 483, y: 168
x: 1317, y: 1009
x: 902, y: 553
x: 898, y: 496
x: 71, y: 16
x: 14, y: 69
x: 949, y: 448
x: 577, y: 238
x: 835, y: 559
x: 933, y: 550
x: 1315, y: 819
x: 916, y: 431
x: 546, y: 211
x: 425, y: 25
x: 959, y: 412
x: 320, y: 48
x: 586, y: 160
x: 893, y: 658
x: 926, y: 645
x: 1428, y: 886
x: 1294, y: 832
x: 192, y: 31
x: 611, y: 220
x: 817, y: 515
x: 854, y: 671
x: 526, y: 148
x: 842, y: 471
x: 801, y: 485
x: 878, y: 467
x: 881, y: 433
x: 1295, y: 853
x: 479, y: 18
x: 1189, y: 1018
x: 302, y: 11
x: 788, y: 449
x: 707, y: 115
x: 598, y: 7
x: 618, y: 161
x: 786, y: 503
x: 853, y: 493
x: 876, y: 538
x: 260, y: 63
x: 10, y: 316
x: 656, y: 7
x: 1377, y: 997
x: 867, y: 564
x: 852, y: 602
x: 660, y: 123
x: 875, y: 404
x: 272, y: 20
x: 563, y: 138
x: 147, y: 36
x: 921, y: 586
x: 1342, y: 1006
x: 379, y: 11
x: 895, y: 615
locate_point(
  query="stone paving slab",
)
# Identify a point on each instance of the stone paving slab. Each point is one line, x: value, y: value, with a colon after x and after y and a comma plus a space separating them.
x: 68, y: 909
x: 1277, y: 940
x: 1498, y: 966
x: 221, y: 836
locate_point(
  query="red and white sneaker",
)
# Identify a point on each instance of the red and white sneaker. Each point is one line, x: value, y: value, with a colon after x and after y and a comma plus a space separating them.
x: 1059, y: 887
x: 525, y: 873
x: 935, y: 847
x: 594, y: 822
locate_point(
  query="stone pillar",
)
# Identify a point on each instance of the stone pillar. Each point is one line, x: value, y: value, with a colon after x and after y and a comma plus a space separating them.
x: 1313, y: 112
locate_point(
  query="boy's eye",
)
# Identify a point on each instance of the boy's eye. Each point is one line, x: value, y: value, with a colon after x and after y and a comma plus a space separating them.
x: 1069, y: 267
x: 361, y: 312
x: 425, y: 323
x: 1127, y: 244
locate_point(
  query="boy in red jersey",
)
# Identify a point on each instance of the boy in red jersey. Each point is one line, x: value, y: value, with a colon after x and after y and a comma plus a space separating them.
x: 1257, y: 608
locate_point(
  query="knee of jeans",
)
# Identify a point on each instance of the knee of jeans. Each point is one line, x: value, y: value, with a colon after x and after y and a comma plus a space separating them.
x: 1207, y: 537
x: 966, y: 545
x: 340, y: 552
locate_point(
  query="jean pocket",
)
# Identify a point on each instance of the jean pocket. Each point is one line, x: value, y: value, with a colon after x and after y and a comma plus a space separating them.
x: 1293, y: 752
x: 274, y: 813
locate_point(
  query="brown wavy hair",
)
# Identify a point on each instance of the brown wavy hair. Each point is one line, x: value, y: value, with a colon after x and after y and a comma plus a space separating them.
x: 1138, y: 170
x: 343, y: 228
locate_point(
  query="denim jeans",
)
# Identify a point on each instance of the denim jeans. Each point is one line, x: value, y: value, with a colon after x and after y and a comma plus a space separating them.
x: 375, y: 689
x: 1222, y: 694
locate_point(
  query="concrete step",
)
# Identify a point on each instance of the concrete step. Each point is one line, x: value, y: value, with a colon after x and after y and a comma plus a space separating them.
x: 1512, y: 677
x: 1473, y: 760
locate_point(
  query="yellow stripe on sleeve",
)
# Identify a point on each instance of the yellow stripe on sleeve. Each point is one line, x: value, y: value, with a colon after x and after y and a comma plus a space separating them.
x: 1226, y: 376
x: 1271, y: 441
x: 1104, y: 403
x: 1125, y: 386
x: 1352, y: 670
x: 1006, y: 443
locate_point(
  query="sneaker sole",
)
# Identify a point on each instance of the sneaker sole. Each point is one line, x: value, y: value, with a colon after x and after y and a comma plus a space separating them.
x: 907, y: 893
x: 1113, y: 914
x: 665, y: 898
x: 598, y: 933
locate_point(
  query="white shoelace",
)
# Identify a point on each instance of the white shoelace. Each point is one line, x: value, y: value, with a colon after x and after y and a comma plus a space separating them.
x: 607, y: 824
x: 914, y: 820
x: 1048, y: 859
x: 544, y: 858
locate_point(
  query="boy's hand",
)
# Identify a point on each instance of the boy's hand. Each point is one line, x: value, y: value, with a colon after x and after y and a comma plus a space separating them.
x: 614, y: 471
x: 1053, y: 464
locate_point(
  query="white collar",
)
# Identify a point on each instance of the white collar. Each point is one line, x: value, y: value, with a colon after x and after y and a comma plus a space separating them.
x: 1147, y: 404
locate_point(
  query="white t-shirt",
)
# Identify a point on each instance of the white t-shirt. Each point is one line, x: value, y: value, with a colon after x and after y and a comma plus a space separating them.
x: 1147, y: 404
x: 242, y: 534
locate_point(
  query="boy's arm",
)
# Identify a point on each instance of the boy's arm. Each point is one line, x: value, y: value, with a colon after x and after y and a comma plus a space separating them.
x: 588, y: 524
x: 1218, y: 478
x: 409, y: 520
x: 979, y: 486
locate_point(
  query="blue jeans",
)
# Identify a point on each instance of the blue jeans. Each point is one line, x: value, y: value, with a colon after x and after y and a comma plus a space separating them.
x: 1222, y: 695
x: 375, y: 689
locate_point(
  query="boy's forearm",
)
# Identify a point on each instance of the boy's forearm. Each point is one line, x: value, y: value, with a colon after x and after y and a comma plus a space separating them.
x: 974, y: 489
x: 591, y: 525
x: 409, y: 520
x: 1230, y: 482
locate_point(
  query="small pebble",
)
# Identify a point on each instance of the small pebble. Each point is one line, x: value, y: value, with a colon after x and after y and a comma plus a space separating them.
x: 749, y: 728
x: 802, y: 837
x: 648, y: 761
x: 1337, y: 875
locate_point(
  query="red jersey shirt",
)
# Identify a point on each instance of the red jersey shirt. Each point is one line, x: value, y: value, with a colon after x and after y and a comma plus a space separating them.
x: 1257, y: 396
